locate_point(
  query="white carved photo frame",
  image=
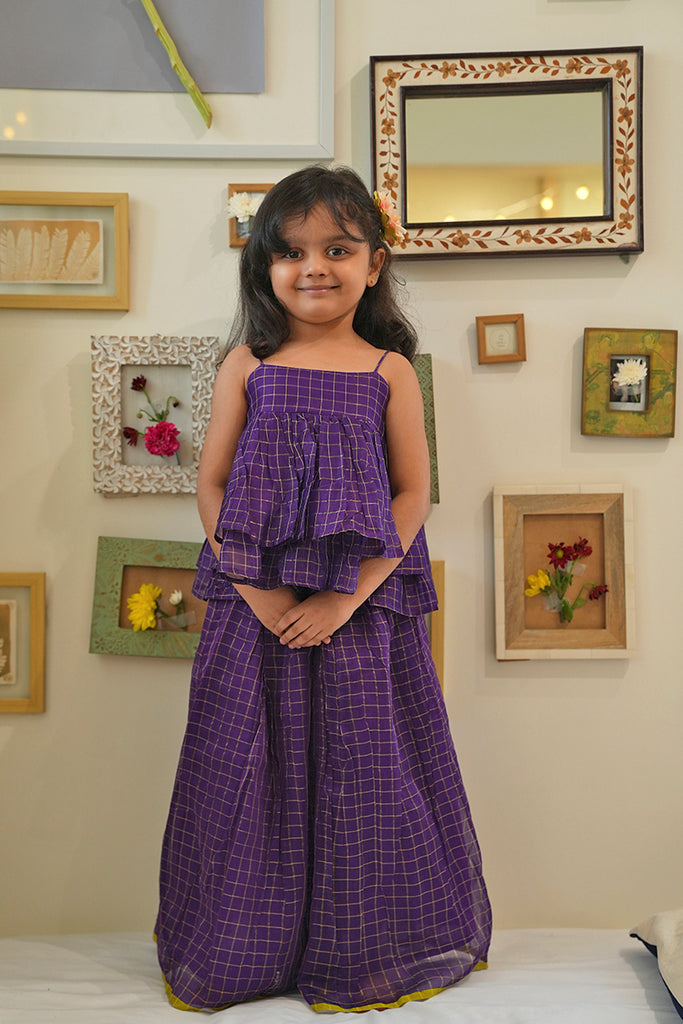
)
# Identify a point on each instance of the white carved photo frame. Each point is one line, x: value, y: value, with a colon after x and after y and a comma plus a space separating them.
x: 111, y: 357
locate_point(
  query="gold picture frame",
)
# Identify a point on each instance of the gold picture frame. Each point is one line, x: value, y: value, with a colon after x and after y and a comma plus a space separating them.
x: 501, y: 339
x: 22, y: 642
x: 437, y: 632
x: 64, y: 250
x: 526, y: 520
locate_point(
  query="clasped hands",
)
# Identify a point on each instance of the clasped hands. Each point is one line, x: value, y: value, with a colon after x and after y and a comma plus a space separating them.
x: 306, y: 623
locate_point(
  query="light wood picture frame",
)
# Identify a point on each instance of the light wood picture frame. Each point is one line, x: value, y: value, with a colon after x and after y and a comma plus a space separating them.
x: 238, y: 233
x: 115, y: 359
x: 64, y: 250
x: 527, y: 519
x: 501, y: 338
x: 169, y: 564
x: 643, y: 409
x: 22, y: 642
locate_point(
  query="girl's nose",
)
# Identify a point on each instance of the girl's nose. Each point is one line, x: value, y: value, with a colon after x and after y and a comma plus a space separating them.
x: 316, y: 264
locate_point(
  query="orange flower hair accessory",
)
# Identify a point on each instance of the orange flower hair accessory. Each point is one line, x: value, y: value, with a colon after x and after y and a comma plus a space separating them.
x: 392, y: 230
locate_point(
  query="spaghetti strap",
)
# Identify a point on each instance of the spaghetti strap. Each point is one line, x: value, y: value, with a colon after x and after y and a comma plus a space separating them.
x: 384, y: 355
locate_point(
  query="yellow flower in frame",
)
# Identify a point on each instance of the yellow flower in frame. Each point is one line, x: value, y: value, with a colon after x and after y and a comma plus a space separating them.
x: 538, y: 584
x: 142, y: 607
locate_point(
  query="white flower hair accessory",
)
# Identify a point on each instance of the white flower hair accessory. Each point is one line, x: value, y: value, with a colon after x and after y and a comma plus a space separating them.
x: 392, y: 230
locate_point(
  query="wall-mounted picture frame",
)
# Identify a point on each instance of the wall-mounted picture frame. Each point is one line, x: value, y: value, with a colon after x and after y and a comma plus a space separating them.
x: 124, y: 566
x: 453, y: 135
x: 64, y: 250
x: 22, y: 642
x: 134, y: 381
x: 501, y: 338
x: 246, y: 199
x: 629, y: 382
x: 437, y: 619
x: 422, y: 364
x: 533, y: 522
x: 59, y: 122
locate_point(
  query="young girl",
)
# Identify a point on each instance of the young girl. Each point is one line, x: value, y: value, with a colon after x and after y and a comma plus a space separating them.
x: 319, y: 835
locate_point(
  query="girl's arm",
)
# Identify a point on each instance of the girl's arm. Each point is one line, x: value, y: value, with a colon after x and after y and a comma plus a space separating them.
x: 321, y: 614
x: 228, y: 417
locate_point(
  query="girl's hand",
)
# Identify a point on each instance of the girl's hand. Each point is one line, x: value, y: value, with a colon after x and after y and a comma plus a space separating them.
x: 269, y: 606
x: 314, y: 620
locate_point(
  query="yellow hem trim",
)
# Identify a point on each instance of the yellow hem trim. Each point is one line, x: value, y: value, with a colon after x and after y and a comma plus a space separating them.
x: 377, y: 1006
x: 178, y: 1004
x: 425, y: 994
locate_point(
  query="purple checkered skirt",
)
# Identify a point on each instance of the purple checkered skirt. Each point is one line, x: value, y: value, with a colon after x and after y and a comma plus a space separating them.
x: 319, y: 835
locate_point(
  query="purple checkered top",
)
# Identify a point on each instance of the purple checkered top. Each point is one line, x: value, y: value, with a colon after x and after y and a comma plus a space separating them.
x: 308, y: 496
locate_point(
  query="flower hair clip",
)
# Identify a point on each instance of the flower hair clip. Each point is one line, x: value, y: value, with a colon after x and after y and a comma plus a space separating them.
x: 393, y: 231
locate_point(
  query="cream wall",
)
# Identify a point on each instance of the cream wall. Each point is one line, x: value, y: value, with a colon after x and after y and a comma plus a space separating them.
x: 573, y: 769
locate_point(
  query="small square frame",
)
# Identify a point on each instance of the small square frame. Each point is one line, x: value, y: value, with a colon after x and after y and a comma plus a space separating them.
x: 511, y: 506
x: 109, y: 354
x: 30, y: 634
x: 113, y: 555
x: 659, y: 348
x: 237, y: 237
x: 109, y: 207
x: 501, y: 339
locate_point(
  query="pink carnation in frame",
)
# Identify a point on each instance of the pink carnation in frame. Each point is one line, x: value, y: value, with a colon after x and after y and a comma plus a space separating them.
x: 162, y: 438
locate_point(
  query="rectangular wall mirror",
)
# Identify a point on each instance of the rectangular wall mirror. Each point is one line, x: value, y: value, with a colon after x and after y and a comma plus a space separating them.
x: 511, y: 153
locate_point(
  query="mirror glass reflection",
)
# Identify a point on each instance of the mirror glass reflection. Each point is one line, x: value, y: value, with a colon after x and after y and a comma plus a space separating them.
x: 517, y: 156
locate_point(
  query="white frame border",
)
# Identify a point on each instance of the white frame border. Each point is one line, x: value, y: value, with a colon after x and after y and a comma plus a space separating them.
x: 323, y: 148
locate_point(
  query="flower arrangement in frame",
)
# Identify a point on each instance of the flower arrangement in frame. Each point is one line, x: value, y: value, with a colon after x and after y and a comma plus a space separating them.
x: 64, y: 250
x: 542, y: 610
x: 243, y: 202
x: 143, y: 602
x: 22, y: 642
x: 151, y: 408
x: 501, y: 339
x: 629, y: 382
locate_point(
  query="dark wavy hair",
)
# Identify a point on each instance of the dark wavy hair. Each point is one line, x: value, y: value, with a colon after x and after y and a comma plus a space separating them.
x: 260, y: 321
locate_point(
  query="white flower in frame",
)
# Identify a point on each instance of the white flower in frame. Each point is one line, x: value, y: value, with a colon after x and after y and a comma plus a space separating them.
x: 243, y: 205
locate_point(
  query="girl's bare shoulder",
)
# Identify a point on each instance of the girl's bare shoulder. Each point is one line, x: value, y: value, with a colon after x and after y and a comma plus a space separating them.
x: 397, y: 369
x: 237, y: 365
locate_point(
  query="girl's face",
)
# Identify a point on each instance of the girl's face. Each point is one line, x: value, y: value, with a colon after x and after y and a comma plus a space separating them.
x: 321, y: 278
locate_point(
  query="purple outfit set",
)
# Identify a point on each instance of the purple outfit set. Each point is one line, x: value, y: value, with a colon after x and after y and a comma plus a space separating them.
x: 319, y: 835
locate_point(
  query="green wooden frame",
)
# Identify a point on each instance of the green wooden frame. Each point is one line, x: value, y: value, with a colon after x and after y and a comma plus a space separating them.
x: 600, y: 345
x: 422, y: 365
x: 113, y: 554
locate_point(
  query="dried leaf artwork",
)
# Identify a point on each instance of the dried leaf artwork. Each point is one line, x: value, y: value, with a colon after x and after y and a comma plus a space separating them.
x: 51, y: 251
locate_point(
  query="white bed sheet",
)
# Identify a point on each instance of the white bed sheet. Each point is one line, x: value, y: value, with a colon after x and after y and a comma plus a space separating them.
x: 540, y: 976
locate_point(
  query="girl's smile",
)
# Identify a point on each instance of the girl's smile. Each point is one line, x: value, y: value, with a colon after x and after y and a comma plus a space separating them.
x: 321, y: 278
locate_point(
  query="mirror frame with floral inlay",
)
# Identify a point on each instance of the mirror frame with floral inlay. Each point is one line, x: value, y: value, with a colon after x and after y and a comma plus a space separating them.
x: 616, y: 73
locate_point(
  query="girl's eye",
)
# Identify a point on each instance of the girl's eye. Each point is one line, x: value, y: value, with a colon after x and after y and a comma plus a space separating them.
x: 337, y: 250
x: 291, y: 254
